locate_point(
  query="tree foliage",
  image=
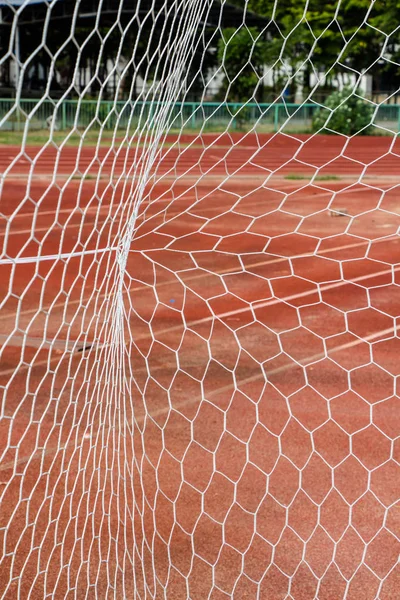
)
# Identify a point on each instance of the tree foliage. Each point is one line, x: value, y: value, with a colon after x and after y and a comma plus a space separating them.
x: 339, y: 38
x: 242, y: 53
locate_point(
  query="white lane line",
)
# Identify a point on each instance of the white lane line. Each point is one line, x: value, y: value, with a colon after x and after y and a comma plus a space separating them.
x: 264, y: 376
x: 49, y: 228
x: 283, y: 190
x: 146, y: 205
x: 82, y: 211
x: 140, y: 419
x: 38, y: 454
x: 85, y: 209
x: 62, y: 227
x: 271, y: 302
x: 69, y: 303
x: 48, y: 257
x: 59, y: 351
x: 23, y: 368
x: 156, y: 202
x: 267, y: 303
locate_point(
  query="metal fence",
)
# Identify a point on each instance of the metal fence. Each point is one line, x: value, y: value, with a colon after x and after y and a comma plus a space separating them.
x: 82, y: 114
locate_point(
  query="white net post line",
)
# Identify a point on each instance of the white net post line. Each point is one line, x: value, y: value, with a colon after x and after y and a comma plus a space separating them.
x: 200, y: 300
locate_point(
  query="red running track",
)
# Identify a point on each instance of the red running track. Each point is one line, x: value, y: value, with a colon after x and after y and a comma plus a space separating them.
x: 297, y: 482
x: 218, y: 154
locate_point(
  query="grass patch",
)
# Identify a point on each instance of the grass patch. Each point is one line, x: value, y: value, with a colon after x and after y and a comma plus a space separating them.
x: 42, y: 137
x: 299, y: 176
x: 295, y: 176
x: 86, y: 138
x: 85, y: 177
x: 327, y: 178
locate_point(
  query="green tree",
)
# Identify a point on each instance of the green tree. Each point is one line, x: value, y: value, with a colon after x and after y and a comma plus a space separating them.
x: 337, y: 37
x: 242, y: 53
x: 386, y: 19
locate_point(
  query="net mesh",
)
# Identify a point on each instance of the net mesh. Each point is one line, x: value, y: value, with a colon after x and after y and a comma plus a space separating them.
x: 199, y: 326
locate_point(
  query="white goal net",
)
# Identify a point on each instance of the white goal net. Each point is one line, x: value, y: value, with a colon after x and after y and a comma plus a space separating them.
x: 200, y: 295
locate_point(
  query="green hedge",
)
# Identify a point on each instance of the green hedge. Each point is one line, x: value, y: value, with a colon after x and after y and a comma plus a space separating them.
x: 345, y: 112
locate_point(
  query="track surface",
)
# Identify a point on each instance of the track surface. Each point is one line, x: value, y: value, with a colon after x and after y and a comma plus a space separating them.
x: 260, y: 154
x: 256, y: 452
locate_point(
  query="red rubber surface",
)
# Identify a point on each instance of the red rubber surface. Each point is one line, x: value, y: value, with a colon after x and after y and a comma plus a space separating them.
x: 293, y: 479
x: 219, y: 153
